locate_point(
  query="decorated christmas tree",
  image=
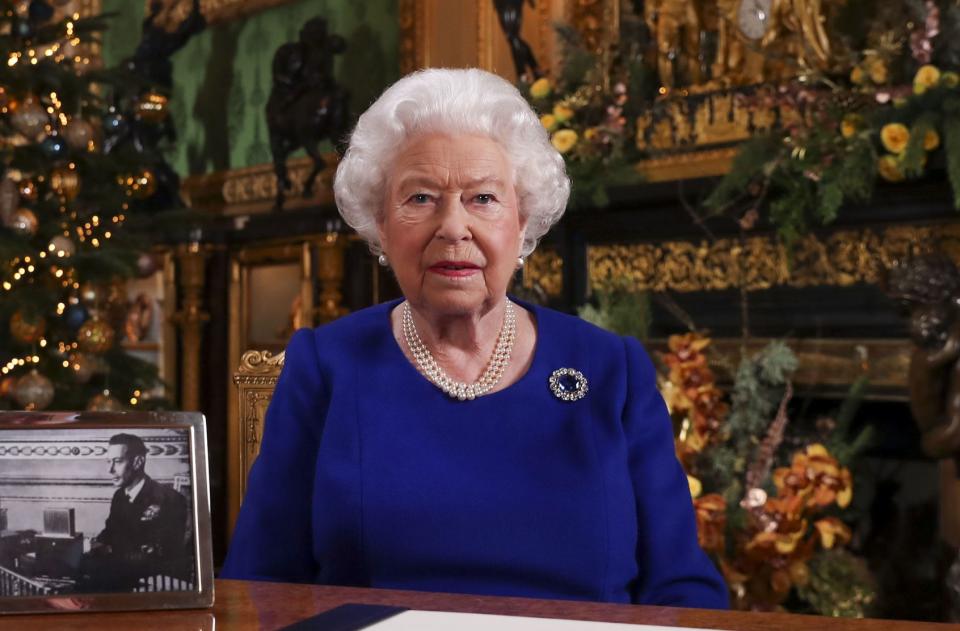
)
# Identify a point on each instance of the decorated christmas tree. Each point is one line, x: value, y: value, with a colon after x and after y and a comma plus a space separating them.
x: 68, y: 215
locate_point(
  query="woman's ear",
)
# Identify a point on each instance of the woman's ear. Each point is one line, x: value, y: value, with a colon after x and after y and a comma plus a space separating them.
x: 381, y: 234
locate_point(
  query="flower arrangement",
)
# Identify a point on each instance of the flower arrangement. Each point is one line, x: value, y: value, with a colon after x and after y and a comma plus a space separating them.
x: 776, y: 533
x: 589, y: 124
x: 889, y: 109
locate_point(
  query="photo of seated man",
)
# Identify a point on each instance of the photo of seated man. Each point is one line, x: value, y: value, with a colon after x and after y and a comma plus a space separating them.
x: 145, y: 533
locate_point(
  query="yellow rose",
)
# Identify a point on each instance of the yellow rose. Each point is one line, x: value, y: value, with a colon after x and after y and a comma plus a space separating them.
x: 562, y: 113
x: 590, y: 133
x: 540, y: 88
x: 564, y: 140
x: 889, y: 168
x: 927, y: 77
x: 877, y: 70
x: 950, y: 79
x: 696, y: 487
x: 931, y: 140
x: 851, y: 125
x: 894, y: 137
x: 856, y: 75
x: 549, y: 121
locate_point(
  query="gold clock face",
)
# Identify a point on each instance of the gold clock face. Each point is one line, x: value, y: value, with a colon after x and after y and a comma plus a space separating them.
x: 753, y: 18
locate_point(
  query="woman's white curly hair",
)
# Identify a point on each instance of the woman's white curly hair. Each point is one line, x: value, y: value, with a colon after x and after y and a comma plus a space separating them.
x: 455, y: 102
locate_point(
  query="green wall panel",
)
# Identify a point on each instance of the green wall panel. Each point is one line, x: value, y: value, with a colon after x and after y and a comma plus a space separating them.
x: 222, y: 76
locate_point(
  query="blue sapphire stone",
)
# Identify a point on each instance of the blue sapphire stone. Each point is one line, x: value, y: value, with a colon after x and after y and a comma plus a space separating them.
x: 568, y: 383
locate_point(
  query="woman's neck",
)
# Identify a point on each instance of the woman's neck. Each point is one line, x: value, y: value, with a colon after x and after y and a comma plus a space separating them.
x: 463, y: 346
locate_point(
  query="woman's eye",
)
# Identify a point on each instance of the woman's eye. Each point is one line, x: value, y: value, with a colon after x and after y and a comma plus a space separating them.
x: 484, y: 198
x: 420, y: 198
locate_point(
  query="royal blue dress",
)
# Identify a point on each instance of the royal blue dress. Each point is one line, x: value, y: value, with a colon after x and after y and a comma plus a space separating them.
x: 369, y: 475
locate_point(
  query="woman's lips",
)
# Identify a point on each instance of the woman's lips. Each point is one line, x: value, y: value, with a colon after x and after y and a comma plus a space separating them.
x: 454, y: 269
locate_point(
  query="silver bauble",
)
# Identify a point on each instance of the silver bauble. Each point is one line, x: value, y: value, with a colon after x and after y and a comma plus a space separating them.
x: 62, y: 247
x: 78, y: 133
x: 82, y: 367
x: 23, y: 222
x: 104, y: 402
x: 29, y: 118
x: 33, y: 391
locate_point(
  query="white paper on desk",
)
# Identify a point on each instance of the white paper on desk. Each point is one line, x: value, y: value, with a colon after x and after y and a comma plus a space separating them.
x: 446, y: 621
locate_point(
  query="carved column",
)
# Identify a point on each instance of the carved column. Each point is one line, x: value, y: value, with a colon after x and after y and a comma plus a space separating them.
x: 191, y: 260
x: 331, y: 250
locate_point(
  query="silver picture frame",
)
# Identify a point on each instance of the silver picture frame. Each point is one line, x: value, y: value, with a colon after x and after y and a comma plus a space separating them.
x: 104, y: 511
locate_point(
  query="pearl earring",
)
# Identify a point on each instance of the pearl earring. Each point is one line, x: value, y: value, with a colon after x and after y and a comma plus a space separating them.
x: 382, y: 260
x: 519, y: 262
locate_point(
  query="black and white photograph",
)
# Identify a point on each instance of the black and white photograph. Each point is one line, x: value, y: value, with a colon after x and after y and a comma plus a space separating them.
x: 89, y: 508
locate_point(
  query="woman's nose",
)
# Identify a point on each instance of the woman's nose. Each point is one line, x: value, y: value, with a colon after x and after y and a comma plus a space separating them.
x: 454, y: 220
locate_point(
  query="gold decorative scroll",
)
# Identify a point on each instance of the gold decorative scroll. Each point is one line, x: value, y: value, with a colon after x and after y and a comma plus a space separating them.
x: 840, y: 258
x: 214, y: 11
x: 253, y: 189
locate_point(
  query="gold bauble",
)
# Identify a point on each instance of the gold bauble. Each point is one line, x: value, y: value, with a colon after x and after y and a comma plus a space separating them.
x: 23, y: 222
x: 82, y: 367
x: 79, y: 133
x: 95, y: 336
x: 104, y: 402
x: 152, y: 107
x: 28, y: 117
x: 27, y: 328
x: 66, y: 182
x: 61, y: 247
x: 33, y: 391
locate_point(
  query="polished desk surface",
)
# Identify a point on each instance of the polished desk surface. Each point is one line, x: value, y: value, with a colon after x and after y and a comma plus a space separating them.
x: 250, y: 605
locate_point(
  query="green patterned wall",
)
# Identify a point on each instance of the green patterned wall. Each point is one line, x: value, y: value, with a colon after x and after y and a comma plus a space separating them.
x: 222, y: 77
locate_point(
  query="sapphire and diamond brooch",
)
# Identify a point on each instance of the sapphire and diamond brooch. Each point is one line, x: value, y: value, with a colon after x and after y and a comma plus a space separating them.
x: 568, y: 384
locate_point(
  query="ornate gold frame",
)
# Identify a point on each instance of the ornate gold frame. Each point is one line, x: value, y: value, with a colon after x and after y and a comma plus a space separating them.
x: 253, y: 378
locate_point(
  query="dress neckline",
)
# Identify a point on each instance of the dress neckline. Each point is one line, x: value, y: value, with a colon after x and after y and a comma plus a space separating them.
x: 533, y: 309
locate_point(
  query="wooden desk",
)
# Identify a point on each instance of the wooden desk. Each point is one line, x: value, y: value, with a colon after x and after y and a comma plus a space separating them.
x: 247, y: 605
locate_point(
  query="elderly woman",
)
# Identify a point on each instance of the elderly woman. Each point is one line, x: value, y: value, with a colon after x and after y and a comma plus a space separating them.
x: 459, y: 440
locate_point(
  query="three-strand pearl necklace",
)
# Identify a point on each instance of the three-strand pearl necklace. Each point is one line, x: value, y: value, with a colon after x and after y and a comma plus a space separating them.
x: 457, y: 389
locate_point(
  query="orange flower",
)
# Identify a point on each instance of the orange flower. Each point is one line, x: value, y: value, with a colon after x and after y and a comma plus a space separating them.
x: 894, y: 137
x: 711, y: 511
x: 889, y: 168
x: 852, y: 123
x: 686, y: 345
x: 877, y: 69
x: 926, y: 77
x: 832, y: 531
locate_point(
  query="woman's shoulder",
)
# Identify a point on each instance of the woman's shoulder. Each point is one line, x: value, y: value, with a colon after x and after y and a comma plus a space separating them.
x: 345, y: 334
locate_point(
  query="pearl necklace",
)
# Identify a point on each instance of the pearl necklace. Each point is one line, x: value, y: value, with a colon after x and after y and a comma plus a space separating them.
x: 457, y: 389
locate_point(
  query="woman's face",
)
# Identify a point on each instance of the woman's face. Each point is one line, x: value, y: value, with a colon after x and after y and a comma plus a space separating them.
x: 451, y: 227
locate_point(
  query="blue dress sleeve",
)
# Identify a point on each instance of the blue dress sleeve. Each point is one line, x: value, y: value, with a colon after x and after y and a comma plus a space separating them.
x: 674, y: 570
x: 272, y: 539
